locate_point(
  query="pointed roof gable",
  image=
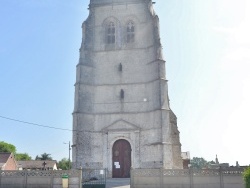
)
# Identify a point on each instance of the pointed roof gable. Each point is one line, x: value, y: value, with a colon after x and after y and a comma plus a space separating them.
x: 121, y: 125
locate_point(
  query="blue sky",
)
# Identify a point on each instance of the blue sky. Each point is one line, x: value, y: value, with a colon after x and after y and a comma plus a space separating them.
x: 207, y: 48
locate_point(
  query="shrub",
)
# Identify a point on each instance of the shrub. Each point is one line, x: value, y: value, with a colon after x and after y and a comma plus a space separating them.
x: 246, y: 176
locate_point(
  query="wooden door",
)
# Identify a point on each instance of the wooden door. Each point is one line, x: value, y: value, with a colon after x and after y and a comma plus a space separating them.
x: 121, y: 159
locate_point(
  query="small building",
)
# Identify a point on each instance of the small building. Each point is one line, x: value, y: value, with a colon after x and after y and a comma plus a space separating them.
x: 7, y: 161
x: 185, y: 159
x: 217, y: 164
x: 37, y: 165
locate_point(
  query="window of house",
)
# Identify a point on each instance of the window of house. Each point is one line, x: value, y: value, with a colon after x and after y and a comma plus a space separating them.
x: 130, y: 32
x: 111, y: 33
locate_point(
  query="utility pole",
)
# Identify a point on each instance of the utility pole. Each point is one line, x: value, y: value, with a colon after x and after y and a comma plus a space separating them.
x: 69, y: 153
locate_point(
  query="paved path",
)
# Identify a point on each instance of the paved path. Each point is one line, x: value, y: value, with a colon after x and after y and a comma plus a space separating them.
x: 118, y: 183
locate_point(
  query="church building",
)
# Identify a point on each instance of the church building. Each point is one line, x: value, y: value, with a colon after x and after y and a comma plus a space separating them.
x: 122, y: 118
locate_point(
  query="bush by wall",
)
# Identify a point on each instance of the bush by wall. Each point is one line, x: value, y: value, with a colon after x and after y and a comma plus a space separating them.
x: 246, y: 176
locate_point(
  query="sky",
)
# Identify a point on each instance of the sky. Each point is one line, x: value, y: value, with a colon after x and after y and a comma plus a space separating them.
x: 206, y: 46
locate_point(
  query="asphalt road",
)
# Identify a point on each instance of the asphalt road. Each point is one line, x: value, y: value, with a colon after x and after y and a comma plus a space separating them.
x: 118, y: 183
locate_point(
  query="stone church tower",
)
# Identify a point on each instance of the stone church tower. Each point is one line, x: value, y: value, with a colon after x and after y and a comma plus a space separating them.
x: 122, y: 116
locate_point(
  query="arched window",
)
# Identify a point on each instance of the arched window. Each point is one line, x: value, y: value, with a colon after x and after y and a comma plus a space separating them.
x: 111, y: 33
x: 130, y: 32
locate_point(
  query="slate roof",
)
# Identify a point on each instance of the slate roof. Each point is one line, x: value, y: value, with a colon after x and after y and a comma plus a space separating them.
x: 32, y: 164
x: 4, y: 156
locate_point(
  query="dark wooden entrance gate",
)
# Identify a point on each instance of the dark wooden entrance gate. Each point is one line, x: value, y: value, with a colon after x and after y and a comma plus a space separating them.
x: 121, y: 159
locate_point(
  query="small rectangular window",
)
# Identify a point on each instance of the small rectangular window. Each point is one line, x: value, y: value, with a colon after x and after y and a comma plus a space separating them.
x: 122, y: 94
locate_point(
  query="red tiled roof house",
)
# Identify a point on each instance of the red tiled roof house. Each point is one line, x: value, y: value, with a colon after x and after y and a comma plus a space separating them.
x: 7, y: 161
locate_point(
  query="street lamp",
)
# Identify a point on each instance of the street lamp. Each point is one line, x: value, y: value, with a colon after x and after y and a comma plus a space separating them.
x: 69, y: 152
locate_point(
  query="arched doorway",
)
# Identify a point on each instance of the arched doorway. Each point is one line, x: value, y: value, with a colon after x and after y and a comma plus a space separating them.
x: 121, y: 159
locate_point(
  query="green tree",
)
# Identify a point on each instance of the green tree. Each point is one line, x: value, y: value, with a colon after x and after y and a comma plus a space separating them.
x: 22, y: 157
x: 6, y: 147
x: 198, y: 163
x: 64, y: 164
x: 44, y: 157
x: 246, y: 176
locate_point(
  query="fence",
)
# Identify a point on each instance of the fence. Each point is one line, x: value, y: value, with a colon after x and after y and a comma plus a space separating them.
x: 187, y: 178
x: 94, y: 178
x: 39, y: 179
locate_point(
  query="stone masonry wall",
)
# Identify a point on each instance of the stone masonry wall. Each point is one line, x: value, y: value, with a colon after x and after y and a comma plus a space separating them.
x: 142, y: 116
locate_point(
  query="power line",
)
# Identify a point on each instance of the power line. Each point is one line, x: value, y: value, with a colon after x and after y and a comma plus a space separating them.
x: 45, y: 126
x: 35, y: 124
